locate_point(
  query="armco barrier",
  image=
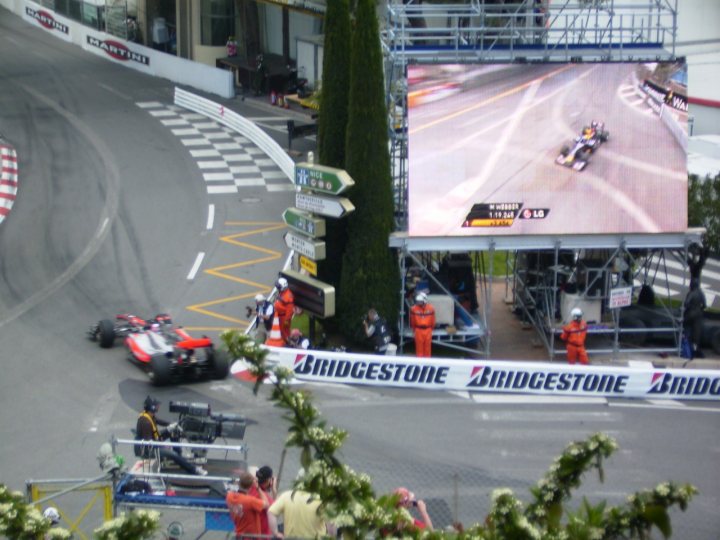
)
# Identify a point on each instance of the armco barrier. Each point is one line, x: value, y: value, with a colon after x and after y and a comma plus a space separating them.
x: 8, y: 178
x: 234, y: 121
x: 498, y: 376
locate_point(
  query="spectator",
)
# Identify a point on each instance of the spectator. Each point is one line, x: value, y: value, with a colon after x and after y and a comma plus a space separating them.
x: 376, y: 330
x: 300, y: 513
x: 284, y: 307
x: 297, y: 340
x: 265, y: 483
x: 245, y: 508
x: 147, y: 429
x: 407, y: 500
x: 693, y: 311
x: 422, y: 321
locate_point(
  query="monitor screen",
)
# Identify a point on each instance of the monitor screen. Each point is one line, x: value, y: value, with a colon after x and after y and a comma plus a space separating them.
x: 547, y: 148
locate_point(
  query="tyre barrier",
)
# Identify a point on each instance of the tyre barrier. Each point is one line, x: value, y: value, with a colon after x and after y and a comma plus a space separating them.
x: 8, y: 178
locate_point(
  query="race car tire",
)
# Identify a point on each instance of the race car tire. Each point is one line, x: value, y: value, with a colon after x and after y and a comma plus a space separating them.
x: 106, y: 333
x: 218, y: 361
x: 604, y: 136
x: 160, y: 370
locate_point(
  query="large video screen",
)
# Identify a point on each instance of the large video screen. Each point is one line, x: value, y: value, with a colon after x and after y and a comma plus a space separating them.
x: 547, y: 148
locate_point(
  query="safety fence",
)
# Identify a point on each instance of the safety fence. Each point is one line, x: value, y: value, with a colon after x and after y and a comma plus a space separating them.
x: 245, y: 127
x: 83, y: 504
x: 8, y: 177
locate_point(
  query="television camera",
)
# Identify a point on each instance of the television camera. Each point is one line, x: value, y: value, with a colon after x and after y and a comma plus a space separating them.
x: 198, y: 424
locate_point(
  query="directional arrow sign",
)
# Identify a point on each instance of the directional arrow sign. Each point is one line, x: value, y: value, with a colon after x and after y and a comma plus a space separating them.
x: 325, y: 206
x: 303, y: 222
x: 306, y: 246
x: 323, y: 179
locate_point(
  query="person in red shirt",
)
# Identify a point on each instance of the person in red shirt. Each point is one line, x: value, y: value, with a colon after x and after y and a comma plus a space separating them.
x: 284, y: 307
x: 245, y: 509
x: 266, y: 484
x: 407, y: 500
x: 422, y: 321
x: 574, y: 333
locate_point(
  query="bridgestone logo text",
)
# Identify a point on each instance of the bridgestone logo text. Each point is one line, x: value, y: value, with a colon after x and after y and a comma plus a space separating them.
x: 118, y: 50
x: 507, y: 379
x: 675, y: 385
x: 370, y: 371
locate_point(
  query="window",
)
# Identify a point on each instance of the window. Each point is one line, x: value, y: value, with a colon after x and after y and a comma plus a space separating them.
x: 217, y: 22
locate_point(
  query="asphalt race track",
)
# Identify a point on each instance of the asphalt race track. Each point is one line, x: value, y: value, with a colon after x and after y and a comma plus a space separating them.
x: 502, y: 132
x: 111, y: 216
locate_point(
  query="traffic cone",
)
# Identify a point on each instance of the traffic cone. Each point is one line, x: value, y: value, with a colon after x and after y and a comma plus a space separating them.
x: 275, y: 338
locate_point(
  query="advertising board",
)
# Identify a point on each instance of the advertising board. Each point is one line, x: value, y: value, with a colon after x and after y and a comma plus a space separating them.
x: 547, y: 148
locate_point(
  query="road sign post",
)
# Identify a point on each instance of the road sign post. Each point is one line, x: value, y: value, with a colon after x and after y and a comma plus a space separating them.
x: 322, y: 179
x: 315, y: 249
x: 335, y: 207
x: 304, y: 222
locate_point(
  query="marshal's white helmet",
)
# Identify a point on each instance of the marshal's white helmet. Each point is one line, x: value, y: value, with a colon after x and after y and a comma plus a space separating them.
x: 259, y: 298
x: 52, y: 514
x: 576, y: 313
x: 421, y: 298
x: 282, y: 283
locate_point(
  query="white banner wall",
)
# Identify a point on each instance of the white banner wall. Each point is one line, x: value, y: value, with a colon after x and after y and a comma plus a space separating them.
x: 127, y: 53
x: 496, y: 376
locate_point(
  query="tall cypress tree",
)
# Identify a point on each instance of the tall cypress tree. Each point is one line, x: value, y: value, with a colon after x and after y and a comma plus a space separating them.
x: 370, y: 274
x: 332, y: 122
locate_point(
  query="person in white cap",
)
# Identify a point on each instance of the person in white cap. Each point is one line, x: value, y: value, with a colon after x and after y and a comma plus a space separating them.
x: 574, y: 334
x: 264, y: 312
x: 422, y: 321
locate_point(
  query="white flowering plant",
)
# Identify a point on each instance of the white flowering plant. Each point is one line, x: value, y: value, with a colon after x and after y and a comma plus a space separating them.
x: 20, y: 520
x: 350, y: 502
x: 136, y: 525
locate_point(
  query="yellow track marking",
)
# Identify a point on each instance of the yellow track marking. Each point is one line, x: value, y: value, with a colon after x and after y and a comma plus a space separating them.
x: 222, y: 272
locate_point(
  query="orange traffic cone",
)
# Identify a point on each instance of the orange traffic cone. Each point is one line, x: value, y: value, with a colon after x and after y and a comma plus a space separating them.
x: 275, y: 338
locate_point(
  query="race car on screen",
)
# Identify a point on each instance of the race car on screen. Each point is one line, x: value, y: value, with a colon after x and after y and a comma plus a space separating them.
x: 577, y: 155
x: 166, y: 352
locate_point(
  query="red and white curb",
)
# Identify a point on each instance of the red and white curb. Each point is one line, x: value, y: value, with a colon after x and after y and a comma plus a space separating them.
x: 8, y: 179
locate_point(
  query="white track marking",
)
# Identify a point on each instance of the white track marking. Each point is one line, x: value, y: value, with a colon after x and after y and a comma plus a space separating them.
x: 196, y: 266
x: 211, y: 217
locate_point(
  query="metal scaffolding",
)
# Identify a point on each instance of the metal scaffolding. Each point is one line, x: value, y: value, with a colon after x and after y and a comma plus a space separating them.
x: 529, y: 31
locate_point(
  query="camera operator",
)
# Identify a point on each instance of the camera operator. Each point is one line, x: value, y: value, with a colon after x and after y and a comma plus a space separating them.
x: 376, y: 330
x: 147, y: 430
x: 263, y: 312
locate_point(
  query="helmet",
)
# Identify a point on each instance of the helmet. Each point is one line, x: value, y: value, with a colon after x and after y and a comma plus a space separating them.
x: 151, y: 404
x: 259, y: 298
x: 52, y: 514
x: 282, y: 283
x: 576, y: 313
x: 155, y: 327
x: 421, y: 298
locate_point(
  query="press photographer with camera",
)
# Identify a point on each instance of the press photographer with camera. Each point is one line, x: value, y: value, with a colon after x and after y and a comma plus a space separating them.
x: 376, y: 330
x: 263, y: 313
x: 147, y: 430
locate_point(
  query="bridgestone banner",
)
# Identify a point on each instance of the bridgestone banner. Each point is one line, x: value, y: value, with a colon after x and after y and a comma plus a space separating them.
x: 495, y: 376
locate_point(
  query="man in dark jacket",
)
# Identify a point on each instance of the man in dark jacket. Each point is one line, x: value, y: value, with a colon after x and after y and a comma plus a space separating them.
x: 147, y: 429
x: 376, y: 330
x: 693, y: 310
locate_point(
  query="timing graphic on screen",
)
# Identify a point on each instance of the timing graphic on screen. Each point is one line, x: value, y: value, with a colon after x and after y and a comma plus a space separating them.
x: 547, y: 148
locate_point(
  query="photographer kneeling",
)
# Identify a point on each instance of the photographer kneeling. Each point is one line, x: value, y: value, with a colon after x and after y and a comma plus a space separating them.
x: 376, y: 330
x: 147, y: 430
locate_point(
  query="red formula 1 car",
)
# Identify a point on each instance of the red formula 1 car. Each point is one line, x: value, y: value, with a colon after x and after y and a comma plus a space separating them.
x: 166, y: 352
